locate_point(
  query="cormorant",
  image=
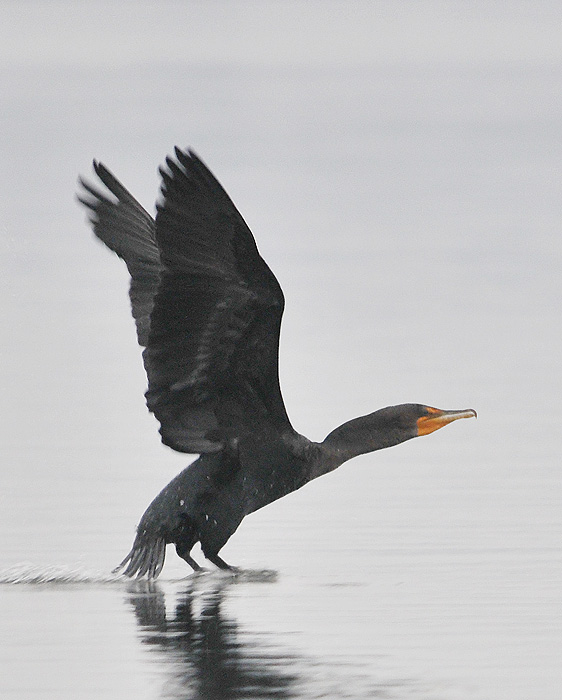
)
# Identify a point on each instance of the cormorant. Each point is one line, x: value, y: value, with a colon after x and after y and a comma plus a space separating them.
x: 208, y: 312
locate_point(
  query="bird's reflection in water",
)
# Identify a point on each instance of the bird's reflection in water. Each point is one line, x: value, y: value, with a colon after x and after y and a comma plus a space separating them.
x: 209, y: 656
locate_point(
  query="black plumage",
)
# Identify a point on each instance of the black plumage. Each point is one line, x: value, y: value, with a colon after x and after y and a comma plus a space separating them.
x: 208, y: 313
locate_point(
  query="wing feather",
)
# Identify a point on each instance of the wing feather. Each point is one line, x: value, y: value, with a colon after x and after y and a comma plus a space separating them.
x: 127, y: 229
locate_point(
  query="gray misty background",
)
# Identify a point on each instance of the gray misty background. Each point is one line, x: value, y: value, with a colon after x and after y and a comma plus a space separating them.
x: 400, y: 166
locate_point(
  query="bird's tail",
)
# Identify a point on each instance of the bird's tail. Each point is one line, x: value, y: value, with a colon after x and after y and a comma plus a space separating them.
x: 146, y: 557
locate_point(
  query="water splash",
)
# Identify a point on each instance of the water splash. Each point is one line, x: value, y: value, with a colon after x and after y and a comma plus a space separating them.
x: 28, y: 573
x: 31, y: 574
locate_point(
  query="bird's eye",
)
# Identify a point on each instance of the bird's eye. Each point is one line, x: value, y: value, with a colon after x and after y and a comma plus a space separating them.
x: 432, y: 410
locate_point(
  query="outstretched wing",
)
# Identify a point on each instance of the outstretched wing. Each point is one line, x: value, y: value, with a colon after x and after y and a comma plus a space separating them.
x: 207, y: 307
x: 212, y: 353
x: 128, y: 230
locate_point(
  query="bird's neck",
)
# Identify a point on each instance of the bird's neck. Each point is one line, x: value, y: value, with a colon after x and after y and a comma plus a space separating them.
x: 375, y: 431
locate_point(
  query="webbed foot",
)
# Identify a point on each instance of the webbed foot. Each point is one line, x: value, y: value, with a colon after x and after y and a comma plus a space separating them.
x: 220, y: 563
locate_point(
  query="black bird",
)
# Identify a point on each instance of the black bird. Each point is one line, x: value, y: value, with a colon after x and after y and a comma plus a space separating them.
x: 208, y: 312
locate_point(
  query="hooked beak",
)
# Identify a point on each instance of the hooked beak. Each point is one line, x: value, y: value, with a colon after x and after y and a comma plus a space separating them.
x: 436, y: 418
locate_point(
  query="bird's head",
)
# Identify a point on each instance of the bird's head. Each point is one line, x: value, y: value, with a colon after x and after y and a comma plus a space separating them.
x: 389, y: 426
x: 395, y: 424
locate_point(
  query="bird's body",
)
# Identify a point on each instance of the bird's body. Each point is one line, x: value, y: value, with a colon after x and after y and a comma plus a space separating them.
x: 208, y: 312
x: 208, y: 500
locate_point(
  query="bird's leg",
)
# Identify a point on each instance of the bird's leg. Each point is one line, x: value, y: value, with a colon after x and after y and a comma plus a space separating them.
x: 191, y: 561
x: 217, y: 561
x: 184, y: 554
